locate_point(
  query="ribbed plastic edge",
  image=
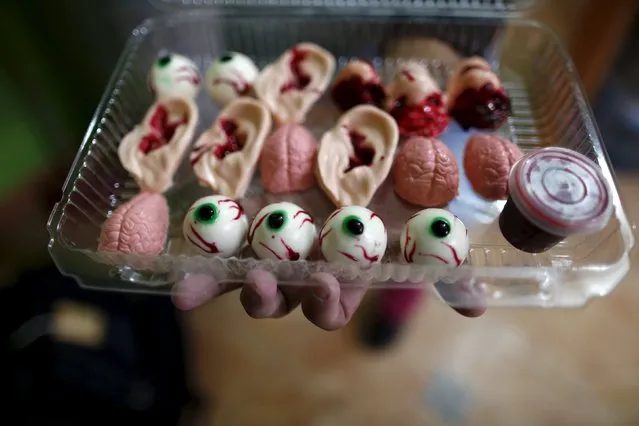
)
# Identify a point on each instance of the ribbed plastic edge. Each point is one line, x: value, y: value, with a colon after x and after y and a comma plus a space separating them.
x: 443, y: 8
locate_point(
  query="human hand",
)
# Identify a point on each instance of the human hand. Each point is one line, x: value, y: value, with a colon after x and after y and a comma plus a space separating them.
x: 325, y: 302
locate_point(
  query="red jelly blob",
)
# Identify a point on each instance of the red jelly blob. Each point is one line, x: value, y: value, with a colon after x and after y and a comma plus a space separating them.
x: 428, y: 118
x: 363, y: 154
x: 234, y: 139
x: 161, y: 130
x: 354, y: 91
x: 300, y: 79
x: 483, y: 108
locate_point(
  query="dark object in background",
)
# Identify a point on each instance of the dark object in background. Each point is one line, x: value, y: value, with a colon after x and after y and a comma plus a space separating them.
x: 377, y: 332
x: 137, y: 374
x: 617, y: 107
x: 392, y: 309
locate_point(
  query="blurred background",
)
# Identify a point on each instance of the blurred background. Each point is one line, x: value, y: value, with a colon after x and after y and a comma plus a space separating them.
x: 72, y: 357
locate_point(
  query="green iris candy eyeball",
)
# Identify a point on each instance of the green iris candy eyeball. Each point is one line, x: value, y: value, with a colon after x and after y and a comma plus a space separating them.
x: 276, y: 220
x: 440, y: 227
x: 353, y: 226
x: 206, y: 213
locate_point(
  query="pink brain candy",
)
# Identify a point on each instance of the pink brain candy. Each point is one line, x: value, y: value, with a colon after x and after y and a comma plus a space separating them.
x: 487, y: 163
x: 288, y: 159
x: 139, y: 226
x: 426, y: 173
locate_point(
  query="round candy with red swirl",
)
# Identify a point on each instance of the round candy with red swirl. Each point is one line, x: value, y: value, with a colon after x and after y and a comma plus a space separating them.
x: 282, y: 231
x: 353, y: 234
x: 215, y: 226
x: 173, y: 76
x: 230, y: 76
x: 434, y: 237
x: 554, y: 193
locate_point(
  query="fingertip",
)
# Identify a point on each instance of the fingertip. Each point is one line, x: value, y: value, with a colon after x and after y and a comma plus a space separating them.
x: 259, y: 295
x: 471, y: 312
x: 322, y: 305
x: 464, y: 296
x: 251, y: 302
x: 193, y: 291
x: 323, y: 277
x: 259, y: 277
x: 324, y: 287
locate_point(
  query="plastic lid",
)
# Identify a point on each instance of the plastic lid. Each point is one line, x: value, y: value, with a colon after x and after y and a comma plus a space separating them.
x: 495, y: 8
x: 561, y: 192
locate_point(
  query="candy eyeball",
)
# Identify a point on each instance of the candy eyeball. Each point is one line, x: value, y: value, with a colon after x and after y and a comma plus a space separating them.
x: 230, y: 76
x: 282, y: 231
x: 353, y: 235
x: 434, y: 237
x: 215, y: 226
x: 174, y: 75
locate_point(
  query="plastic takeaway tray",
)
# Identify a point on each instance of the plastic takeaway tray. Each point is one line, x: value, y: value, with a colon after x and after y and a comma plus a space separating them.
x: 472, y: 8
x: 549, y: 109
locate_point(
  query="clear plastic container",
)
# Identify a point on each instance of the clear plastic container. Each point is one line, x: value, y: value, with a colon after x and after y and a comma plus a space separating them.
x: 448, y: 8
x: 549, y: 110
